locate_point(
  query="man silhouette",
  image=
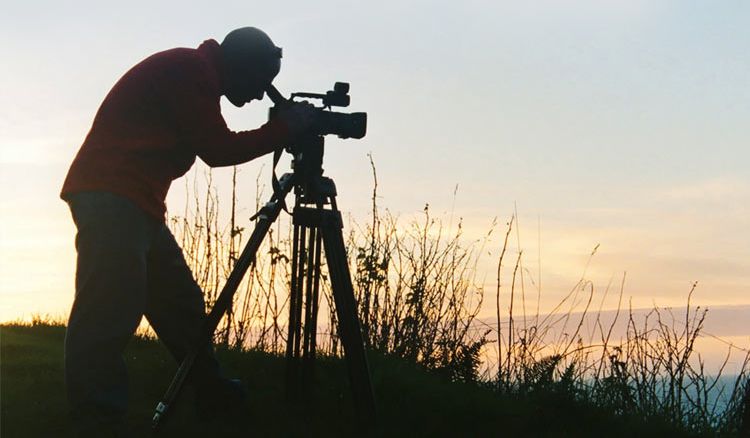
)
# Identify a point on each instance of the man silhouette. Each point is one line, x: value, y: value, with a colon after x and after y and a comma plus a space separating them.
x: 148, y: 131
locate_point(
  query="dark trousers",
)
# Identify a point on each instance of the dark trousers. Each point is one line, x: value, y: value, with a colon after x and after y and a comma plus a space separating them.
x: 129, y: 265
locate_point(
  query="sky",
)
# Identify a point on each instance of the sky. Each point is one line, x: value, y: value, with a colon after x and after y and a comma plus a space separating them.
x: 622, y: 124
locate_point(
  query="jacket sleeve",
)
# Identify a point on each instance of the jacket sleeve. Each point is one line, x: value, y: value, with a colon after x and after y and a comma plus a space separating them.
x: 203, y: 130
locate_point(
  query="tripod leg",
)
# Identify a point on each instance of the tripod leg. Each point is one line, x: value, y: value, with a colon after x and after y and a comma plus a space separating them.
x: 267, y: 217
x: 315, y: 293
x: 309, y: 292
x: 305, y: 284
x: 295, y: 313
x: 301, y: 282
x: 311, y: 311
x: 346, y: 309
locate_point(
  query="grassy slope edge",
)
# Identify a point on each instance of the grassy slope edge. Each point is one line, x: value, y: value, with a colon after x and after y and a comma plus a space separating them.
x: 411, y: 402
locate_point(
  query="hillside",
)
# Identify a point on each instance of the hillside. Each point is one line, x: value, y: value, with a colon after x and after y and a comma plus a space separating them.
x: 411, y: 402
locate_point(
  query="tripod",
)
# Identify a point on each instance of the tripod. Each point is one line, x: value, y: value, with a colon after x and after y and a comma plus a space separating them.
x: 317, y: 228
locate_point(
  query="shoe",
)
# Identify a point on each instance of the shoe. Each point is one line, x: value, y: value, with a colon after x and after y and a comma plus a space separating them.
x: 223, y: 396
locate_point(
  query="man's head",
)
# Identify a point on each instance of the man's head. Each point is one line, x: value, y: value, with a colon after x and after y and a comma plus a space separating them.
x: 250, y: 62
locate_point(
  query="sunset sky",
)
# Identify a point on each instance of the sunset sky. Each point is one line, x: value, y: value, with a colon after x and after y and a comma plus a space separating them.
x: 619, y: 123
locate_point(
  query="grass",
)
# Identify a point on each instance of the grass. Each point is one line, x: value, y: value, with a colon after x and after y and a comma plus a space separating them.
x: 411, y: 401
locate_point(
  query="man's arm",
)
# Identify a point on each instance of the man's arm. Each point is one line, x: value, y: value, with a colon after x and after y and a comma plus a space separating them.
x: 203, y: 129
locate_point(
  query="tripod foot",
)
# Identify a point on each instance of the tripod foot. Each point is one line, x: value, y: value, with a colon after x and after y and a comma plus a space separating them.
x: 161, y: 410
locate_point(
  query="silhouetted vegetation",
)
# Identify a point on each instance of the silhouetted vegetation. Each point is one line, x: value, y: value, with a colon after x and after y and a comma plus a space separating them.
x: 419, y: 299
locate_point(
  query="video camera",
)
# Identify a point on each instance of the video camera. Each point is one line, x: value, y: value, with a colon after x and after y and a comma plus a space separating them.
x: 344, y: 125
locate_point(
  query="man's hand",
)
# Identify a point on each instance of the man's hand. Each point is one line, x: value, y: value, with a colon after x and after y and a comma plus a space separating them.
x: 298, y: 116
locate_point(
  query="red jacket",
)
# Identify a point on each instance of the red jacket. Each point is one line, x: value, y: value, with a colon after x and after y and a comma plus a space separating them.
x: 153, y: 123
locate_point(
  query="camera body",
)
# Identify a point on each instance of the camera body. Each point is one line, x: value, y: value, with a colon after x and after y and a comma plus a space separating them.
x: 343, y: 125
